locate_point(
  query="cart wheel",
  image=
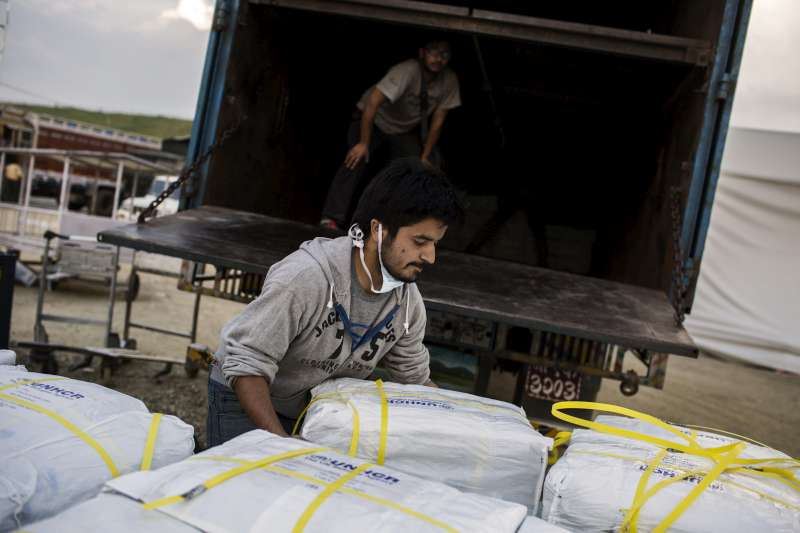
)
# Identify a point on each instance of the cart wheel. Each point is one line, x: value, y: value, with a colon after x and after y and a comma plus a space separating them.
x: 630, y: 384
x: 107, y: 367
x: 133, y: 287
x: 191, y: 367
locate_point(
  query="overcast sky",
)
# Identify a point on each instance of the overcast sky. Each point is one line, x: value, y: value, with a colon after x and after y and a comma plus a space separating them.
x: 146, y: 56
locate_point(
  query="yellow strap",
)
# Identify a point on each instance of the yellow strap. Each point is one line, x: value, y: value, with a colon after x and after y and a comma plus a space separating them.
x: 324, y: 495
x: 703, y: 473
x: 777, y: 460
x: 301, y: 415
x: 384, y: 422
x: 398, y: 507
x: 428, y: 395
x: 150, y: 445
x: 345, y: 490
x: 693, y: 447
x: 375, y: 499
x: 692, y: 496
x: 652, y: 491
x: 356, y: 424
x: 228, y: 474
x: 71, y: 427
x: 28, y: 382
x: 778, y: 474
x: 561, y: 439
x: 629, y: 523
x: 725, y: 457
x: 356, y: 429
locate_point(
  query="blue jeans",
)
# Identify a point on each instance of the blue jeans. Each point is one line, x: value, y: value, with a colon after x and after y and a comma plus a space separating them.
x: 227, y: 418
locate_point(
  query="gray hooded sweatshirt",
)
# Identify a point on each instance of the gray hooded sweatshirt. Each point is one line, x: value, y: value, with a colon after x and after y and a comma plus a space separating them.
x: 293, y: 335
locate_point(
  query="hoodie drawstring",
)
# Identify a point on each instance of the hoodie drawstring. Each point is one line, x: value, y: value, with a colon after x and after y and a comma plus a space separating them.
x: 330, y: 298
x: 408, y: 303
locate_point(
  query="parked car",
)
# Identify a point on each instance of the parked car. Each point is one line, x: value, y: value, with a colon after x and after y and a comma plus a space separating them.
x: 132, y: 206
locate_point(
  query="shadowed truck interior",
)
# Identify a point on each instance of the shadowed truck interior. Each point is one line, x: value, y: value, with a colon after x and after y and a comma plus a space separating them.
x: 564, y: 156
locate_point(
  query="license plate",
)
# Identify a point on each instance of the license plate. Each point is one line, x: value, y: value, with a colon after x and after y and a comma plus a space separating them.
x: 554, y: 384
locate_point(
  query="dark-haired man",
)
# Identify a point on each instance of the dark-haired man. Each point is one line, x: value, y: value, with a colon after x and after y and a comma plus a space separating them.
x: 392, y: 117
x: 336, y: 307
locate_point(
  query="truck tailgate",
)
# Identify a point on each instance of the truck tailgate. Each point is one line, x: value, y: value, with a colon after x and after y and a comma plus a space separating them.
x: 491, y: 289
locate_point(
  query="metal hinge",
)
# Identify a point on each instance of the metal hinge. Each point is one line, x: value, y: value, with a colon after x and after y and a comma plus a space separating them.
x: 725, y: 86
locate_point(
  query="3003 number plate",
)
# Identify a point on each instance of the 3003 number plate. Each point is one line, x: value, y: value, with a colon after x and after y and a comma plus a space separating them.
x: 554, y: 384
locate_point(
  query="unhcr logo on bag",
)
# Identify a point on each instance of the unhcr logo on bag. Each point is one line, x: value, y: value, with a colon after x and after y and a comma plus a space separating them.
x: 58, y: 391
x: 694, y: 479
x: 416, y: 402
x: 349, y: 467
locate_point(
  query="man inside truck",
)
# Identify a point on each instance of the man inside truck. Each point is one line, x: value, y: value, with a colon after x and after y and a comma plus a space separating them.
x: 336, y: 307
x: 391, y: 119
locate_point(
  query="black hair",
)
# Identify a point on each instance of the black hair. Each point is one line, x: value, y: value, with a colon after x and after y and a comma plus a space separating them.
x: 406, y: 192
x: 430, y: 42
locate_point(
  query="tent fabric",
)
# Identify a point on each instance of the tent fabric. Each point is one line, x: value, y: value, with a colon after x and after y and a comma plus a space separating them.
x: 748, y: 293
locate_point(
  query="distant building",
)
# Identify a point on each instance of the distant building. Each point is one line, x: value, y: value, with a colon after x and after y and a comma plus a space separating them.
x: 104, y: 168
x: 178, y: 145
x: 23, y: 129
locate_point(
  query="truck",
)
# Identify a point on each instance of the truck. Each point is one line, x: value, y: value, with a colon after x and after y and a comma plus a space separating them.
x: 587, y: 152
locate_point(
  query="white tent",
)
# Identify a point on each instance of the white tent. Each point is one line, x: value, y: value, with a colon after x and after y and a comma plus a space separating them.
x: 747, y: 303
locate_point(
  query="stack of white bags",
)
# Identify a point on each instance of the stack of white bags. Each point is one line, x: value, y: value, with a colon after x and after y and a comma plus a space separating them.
x: 376, y: 457
x: 472, y: 443
x: 285, y: 485
x: 594, y: 483
x: 62, y: 439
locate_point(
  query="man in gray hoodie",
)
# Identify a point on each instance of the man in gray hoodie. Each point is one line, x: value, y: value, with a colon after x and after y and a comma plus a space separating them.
x: 336, y: 307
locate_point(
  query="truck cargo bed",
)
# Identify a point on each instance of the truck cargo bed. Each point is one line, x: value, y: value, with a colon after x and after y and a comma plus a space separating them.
x: 490, y: 289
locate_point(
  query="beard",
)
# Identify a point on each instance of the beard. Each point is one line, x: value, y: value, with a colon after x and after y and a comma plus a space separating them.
x: 390, y: 264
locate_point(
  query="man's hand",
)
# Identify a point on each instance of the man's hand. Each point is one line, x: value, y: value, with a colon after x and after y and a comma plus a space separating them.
x: 358, y: 153
x: 433, y: 135
x: 253, y: 394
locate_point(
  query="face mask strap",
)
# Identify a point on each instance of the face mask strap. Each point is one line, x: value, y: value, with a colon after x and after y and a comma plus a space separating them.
x: 357, y: 236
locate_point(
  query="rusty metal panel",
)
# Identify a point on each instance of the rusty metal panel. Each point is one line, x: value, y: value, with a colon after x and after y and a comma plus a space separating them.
x: 518, y: 27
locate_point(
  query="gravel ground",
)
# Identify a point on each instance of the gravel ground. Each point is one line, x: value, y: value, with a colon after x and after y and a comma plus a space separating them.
x: 759, y: 403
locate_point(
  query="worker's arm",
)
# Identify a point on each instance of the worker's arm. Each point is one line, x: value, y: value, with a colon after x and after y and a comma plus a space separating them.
x: 360, y: 151
x: 253, y: 394
x: 255, y: 342
x: 433, y: 133
x: 408, y: 360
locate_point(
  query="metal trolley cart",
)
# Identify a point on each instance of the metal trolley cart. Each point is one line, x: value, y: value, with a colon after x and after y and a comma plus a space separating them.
x: 84, y: 257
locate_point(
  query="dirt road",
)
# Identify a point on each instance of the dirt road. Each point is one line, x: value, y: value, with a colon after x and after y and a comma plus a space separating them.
x: 761, y: 404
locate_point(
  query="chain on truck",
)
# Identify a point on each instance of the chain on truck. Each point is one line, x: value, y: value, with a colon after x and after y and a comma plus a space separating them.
x: 587, y: 151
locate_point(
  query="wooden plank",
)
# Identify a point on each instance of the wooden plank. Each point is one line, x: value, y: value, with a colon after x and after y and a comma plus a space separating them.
x: 500, y: 291
x: 482, y: 22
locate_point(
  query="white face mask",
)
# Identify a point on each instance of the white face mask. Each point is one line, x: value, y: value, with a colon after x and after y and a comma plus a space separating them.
x: 389, y: 282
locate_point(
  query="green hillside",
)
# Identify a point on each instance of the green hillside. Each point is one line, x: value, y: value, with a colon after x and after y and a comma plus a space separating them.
x: 155, y: 125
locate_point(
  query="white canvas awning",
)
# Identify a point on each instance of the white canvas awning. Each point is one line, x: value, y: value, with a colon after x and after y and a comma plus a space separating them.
x: 747, y: 302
